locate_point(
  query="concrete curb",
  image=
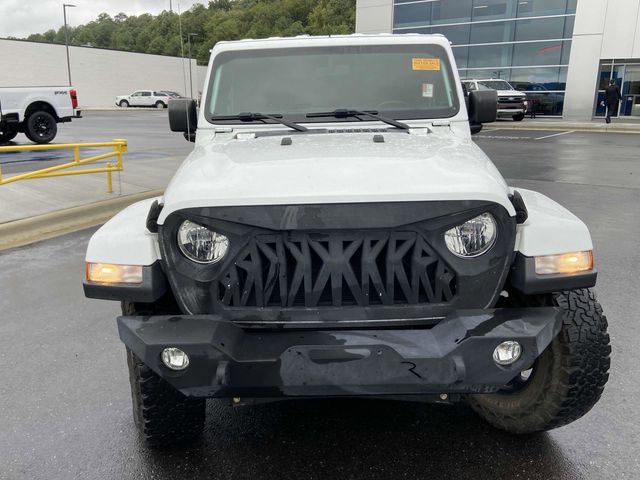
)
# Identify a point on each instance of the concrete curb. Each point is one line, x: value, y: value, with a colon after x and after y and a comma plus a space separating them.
x: 41, y: 227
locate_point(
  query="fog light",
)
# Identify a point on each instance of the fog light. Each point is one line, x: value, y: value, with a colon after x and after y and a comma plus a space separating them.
x: 175, y: 359
x: 507, y: 352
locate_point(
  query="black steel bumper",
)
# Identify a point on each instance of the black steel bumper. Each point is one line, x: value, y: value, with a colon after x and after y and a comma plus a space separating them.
x: 454, y: 356
x: 76, y: 114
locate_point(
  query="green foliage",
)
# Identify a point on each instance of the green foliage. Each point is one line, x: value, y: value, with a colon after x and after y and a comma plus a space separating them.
x: 219, y: 20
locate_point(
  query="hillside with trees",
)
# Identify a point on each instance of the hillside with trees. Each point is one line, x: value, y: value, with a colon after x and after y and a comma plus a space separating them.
x: 219, y: 20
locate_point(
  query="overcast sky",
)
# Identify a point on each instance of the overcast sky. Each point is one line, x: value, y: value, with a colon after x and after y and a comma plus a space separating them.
x: 20, y: 18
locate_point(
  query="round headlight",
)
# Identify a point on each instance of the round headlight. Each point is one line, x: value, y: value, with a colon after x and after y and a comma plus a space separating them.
x: 474, y: 237
x: 200, y: 244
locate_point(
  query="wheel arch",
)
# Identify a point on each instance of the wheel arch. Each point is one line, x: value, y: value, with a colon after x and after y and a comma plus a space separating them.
x: 124, y: 239
x: 40, y: 106
x: 550, y: 229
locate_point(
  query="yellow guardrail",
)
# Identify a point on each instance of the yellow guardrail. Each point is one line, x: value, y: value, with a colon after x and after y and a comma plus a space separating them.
x: 119, y: 147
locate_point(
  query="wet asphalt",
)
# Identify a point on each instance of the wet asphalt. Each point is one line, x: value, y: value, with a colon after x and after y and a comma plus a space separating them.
x: 146, y: 131
x: 65, y: 410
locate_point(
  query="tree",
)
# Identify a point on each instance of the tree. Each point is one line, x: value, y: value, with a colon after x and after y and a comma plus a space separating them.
x: 219, y: 20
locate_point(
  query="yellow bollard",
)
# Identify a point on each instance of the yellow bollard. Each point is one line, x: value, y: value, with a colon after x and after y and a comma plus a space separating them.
x: 109, y: 181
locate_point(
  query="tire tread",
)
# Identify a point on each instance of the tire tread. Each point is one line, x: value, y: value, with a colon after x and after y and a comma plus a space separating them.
x: 576, y: 371
x: 163, y: 415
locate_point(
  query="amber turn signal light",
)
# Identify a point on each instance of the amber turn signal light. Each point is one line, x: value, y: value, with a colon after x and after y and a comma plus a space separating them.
x: 112, y: 273
x: 572, y: 262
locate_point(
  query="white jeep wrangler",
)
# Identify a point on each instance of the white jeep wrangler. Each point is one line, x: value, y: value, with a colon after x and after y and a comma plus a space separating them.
x: 336, y: 232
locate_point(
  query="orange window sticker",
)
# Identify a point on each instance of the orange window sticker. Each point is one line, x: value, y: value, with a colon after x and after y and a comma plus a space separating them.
x: 432, y: 64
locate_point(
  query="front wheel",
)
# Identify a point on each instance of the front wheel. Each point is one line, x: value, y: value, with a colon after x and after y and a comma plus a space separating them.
x: 565, y: 381
x: 518, y: 117
x: 41, y: 127
x: 123, y: 104
x: 164, y: 416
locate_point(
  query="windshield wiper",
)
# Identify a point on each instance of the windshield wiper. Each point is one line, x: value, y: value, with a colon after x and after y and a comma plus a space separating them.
x: 344, y: 113
x: 248, y: 117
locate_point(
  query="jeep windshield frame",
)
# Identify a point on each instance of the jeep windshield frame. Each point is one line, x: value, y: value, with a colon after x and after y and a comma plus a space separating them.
x: 399, y: 81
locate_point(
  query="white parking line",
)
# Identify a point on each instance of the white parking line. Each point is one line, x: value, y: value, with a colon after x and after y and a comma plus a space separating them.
x: 502, y: 137
x: 554, y: 135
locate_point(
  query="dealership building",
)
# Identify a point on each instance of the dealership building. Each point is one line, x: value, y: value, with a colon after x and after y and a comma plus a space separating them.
x: 562, y: 53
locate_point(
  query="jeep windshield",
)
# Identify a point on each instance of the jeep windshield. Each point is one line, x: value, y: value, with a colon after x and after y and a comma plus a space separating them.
x: 396, y: 81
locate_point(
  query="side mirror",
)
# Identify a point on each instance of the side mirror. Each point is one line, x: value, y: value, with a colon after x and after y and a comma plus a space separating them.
x: 475, y: 128
x: 483, y: 106
x: 183, y: 117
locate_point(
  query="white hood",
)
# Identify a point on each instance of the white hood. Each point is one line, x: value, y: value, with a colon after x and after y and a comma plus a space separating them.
x: 335, y: 168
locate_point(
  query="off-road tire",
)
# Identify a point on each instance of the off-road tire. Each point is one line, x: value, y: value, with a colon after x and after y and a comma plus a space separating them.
x: 566, y: 380
x: 164, y: 416
x: 123, y: 104
x: 41, y: 127
x: 518, y: 117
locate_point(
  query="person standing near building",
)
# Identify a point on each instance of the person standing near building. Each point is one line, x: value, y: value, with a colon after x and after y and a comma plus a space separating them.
x: 612, y: 96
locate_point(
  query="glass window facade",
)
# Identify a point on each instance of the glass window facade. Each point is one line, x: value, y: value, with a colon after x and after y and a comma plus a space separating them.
x: 526, y: 42
x: 626, y: 75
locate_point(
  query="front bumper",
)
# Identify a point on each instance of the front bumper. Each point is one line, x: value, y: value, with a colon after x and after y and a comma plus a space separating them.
x: 510, y: 110
x: 455, y: 356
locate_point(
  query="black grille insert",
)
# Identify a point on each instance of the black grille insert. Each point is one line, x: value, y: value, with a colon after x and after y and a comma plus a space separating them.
x: 302, y: 269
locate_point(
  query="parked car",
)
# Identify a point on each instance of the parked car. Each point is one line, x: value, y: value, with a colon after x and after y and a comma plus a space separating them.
x: 36, y: 111
x: 144, y: 98
x: 541, y: 100
x: 511, y: 103
x: 350, y: 240
x: 173, y: 94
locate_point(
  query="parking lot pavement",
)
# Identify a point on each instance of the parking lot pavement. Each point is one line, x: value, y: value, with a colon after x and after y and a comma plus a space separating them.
x: 153, y: 155
x: 65, y: 403
x: 607, y: 159
x: 619, y: 125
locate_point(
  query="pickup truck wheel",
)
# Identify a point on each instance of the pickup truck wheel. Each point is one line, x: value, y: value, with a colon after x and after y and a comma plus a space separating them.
x: 123, y: 104
x: 41, y: 127
x: 7, y: 136
x: 518, y: 117
x: 164, y: 416
x: 160, y: 104
x: 565, y: 381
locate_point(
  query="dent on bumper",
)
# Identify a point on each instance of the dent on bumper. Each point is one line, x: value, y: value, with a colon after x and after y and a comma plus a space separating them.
x: 455, y: 356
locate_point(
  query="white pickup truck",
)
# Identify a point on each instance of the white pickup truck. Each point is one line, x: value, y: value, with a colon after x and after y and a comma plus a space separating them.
x: 36, y: 111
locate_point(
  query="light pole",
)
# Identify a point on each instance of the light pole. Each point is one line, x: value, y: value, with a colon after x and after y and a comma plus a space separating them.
x: 66, y: 37
x: 189, y: 35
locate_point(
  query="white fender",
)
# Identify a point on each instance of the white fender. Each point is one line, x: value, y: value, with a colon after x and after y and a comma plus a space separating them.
x: 550, y: 228
x: 124, y: 239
